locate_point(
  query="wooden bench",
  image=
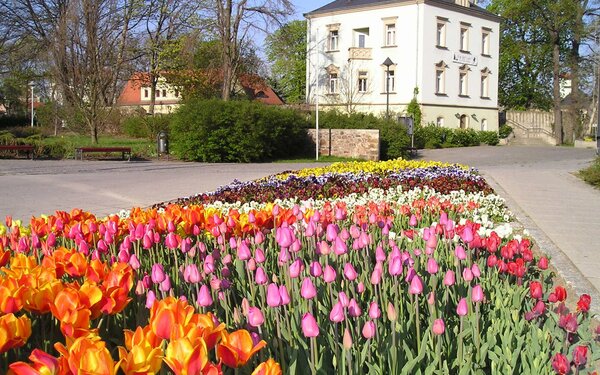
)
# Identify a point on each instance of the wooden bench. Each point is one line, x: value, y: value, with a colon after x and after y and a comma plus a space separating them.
x: 29, y: 148
x: 125, y: 151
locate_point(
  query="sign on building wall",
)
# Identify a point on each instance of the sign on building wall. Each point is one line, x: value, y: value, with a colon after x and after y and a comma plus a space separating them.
x: 464, y: 58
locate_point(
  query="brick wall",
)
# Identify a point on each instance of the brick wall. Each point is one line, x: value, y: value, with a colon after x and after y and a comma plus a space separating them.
x: 349, y: 143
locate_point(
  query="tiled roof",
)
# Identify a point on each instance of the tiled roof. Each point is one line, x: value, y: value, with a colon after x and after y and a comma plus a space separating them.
x: 350, y: 4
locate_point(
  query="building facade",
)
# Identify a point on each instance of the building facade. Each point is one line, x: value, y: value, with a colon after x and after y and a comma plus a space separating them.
x: 376, y: 55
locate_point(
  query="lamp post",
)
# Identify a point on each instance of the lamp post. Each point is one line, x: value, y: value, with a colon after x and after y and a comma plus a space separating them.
x: 31, y: 84
x: 387, y: 63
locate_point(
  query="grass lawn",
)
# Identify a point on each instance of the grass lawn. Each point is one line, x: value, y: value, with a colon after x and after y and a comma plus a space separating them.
x: 591, y: 174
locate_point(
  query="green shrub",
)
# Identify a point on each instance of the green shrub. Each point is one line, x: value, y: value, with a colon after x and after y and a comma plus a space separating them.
x: 236, y: 131
x: 14, y: 121
x: 432, y: 136
x: 393, y: 138
x: 144, y: 126
x: 489, y: 138
x: 591, y: 174
x: 463, y: 138
x: 504, y: 131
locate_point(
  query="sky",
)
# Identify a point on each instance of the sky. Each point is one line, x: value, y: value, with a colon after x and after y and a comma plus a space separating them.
x: 305, y: 6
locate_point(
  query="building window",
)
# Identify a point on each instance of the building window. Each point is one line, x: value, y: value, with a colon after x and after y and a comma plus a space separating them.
x: 361, y: 36
x: 390, y: 81
x: 164, y: 93
x: 177, y: 93
x: 333, y: 83
x: 440, y: 78
x: 333, y: 40
x: 439, y: 121
x: 145, y: 93
x: 485, y: 42
x: 463, y: 81
x: 464, y: 37
x: 390, y: 34
x: 464, y: 122
x: 440, y: 38
x: 485, y: 83
x: 362, y: 82
x: 157, y: 93
x: 484, y: 125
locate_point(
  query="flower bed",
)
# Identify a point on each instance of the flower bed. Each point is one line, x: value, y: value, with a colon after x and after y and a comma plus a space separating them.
x: 381, y: 280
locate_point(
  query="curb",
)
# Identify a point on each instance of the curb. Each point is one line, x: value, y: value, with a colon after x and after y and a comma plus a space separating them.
x: 564, y: 266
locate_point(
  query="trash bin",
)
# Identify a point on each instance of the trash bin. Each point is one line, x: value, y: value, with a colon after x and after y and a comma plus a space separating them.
x: 162, y: 143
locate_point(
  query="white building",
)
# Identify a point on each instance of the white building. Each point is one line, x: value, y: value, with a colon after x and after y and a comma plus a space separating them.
x: 447, y: 49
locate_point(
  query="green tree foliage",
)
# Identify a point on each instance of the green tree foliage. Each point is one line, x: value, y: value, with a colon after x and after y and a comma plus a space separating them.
x: 286, y: 51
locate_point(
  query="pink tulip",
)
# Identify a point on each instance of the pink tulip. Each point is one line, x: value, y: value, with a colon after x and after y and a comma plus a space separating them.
x: 412, y: 221
x: 285, y: 297
x: 343, y: 299
x: 309, y: 326
x: 395, y: 266
x: 431, y: 298
x: 543, y: 263
x: 307, y: 290
x: 332, y: 232
x: 273, y: 297
x: 172, y: 241
x: 467, y: 234
x: 171, y: 226
x: 432, y: 266
x: 259, y: 238
x: 410, y: 274
x: 460, y: 253
x: 204, y: 297
x: 416, y: 285
x: 360, y: 288
x: 165, y: 285
x: 284, y: 237
x: 243, y: 251
x: 380, y: 254
x: 191, y: 274
x: 51, y: 240
x: 259, y: 256
x: 347, y: 341
x: 251, y: 265
x: 375, y: 277
x: 462, y: 308
x: 449, y: 279
x: 369, y: 329
x: 339, y: 246
x: 467, y: 274
x: 139, y: 288
x: 284, y: 256
x: 374, y: 311
x: 150, y: 298
x: 260, y: 277
x: 350, y: 272
x: 134, y: 262
x: 439, y: 327
x: 337, y: 313
x: 476, y: 271
x: 477, y: 294
x: 315, y: 269
x: 391, y: 312
x: 158, y: 273
x: 310, y: 229
x: 255, y: 317
x: 329, y: 274
x: 296, y: 267
x: 353, y: 309
x: 323, y: 248
x: 296, y: 246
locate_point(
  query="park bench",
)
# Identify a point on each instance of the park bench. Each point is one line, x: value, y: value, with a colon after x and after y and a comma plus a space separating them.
x: 17, y: 148
x: 125, y: 151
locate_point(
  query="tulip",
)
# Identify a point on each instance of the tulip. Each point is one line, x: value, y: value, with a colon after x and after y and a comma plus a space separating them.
x: 165, y: 286
x: 296, y: 267
x: 477, y: 294
x: 416, y: 285
x: 380, y: 254
x: 315, y: 269
x: 584, y: 302
x: 412, y: 221
x: 432, y: 266
x: 337, y: 313
x: 449, y: 278
x: 376, y: 277
x: 191, y: 274
x: 391, y: 312
x: 460, y: 253
x: 467, y: 234
x: 535, y: 290
x: 462, y: 308
x: 260, y: 277
x: 308, y: 290
x: 353, y: 309
x: 347, y: 341
x: 255, y: 317
x: 559, y: 295
x: 259, y: 256
x: 580, y: 355
x: 438, y: 327
x: 560, y: 364
x: 395, y: 266
x: 309, y: 326
x: 150, y: 298
x: 273, y: 297
x: 374, y: 311
x: 269, y: 367
x: 360, y: 288
x: 350, y: 272
x: 236, y: 348
x: 339, y: 246
x: 243, y: 251
x: 285, y: 297
x: 543, y: 263
x: 467, y: 275
x: 259, y: 238
x: 329, y: 274
x: 204, y: 296
x: 343, y: 298
x: 568, y: 322
x: 331, y: 232
x: 158, y: 273
x: 369, y: 329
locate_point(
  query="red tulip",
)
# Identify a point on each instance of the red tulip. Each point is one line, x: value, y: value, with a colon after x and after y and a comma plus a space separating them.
x: 584, y: 302
x: 580, y: 355
x: 535, y: 290
x: 559, y: 295
x: 568, y: 322
x: 560, y: 364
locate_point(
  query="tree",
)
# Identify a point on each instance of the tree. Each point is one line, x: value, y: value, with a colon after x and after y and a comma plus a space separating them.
x: 286, y: 51
x: 85, y: 46
x: 234, y: 22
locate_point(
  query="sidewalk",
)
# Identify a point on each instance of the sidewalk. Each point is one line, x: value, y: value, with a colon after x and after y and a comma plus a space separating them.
x: 561, y: 212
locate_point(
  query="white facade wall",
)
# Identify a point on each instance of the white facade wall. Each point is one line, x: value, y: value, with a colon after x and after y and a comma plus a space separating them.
x: 415, y: 55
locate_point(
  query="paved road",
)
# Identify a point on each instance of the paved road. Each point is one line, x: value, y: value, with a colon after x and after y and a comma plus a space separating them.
x: 37, y: 187
x: 561, y: 212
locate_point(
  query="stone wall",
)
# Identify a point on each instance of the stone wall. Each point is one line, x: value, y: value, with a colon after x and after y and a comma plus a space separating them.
x: 349, y: 143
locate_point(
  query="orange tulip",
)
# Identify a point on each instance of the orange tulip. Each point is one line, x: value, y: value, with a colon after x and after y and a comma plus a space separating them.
x: 185, y: 357
x: 39, y: 298
x: 203, y: 325
x: 237, y: 348
x: 43, y: 364
x: 11, y: 295
x: 169, y: 316
x: 76, y: 264
x: 141, y: 336
x: 14, y: 331
x: 73, y: 314
x: 87, y: 355
x: 143, y: 357
x: 4, y: 256
x: 269, y: 367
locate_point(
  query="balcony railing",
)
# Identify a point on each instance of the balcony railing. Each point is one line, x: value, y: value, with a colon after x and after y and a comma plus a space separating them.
x: 356, y: 53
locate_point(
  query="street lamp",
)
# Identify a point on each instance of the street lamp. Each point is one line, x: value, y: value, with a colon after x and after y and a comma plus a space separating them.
x: 387, y: 63
x: 31, y: 84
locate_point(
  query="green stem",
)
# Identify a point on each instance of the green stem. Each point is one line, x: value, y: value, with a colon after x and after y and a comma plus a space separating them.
x: 417, y: 323
x: 460, y: 346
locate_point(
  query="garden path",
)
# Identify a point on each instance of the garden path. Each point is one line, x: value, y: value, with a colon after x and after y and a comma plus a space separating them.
x: 560, y: 211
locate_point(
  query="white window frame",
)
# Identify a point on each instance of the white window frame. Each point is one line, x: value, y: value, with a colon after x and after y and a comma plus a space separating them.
x: 440, y: 32
x: 146, y: 93
x: 390, y: 34
x: 333, y: 40
x: 485, y: 41
x: 363, y: 81
x: 463, y: 81
x: 464, y: 37
x: 439, y: 121
x: 440, y: 78
x: 392, y: 80
x: 333, y: 83
x: 485, y: 83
